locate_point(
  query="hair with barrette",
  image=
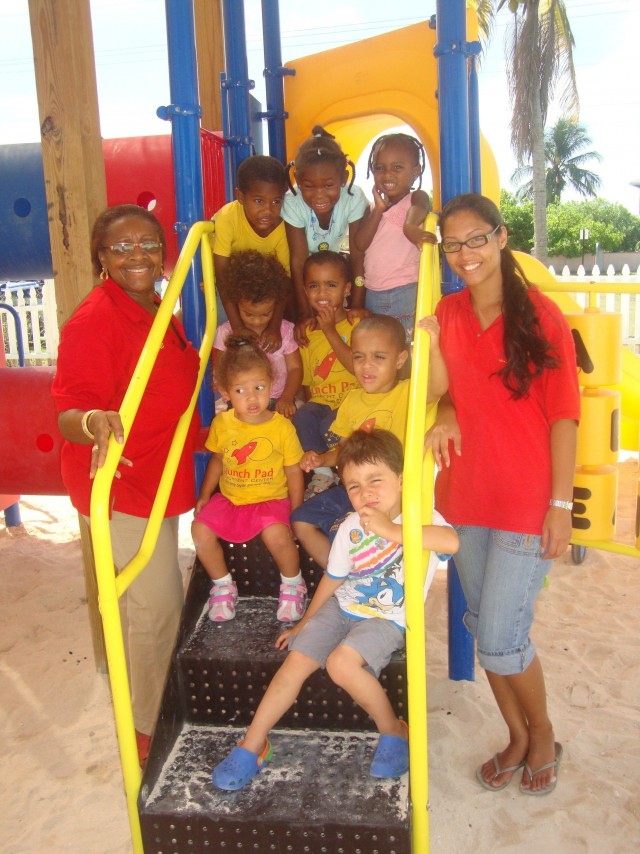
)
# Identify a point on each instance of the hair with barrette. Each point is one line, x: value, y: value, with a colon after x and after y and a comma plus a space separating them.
x: 321, y: 147
x: 411, y: 143
x: 242, y: 353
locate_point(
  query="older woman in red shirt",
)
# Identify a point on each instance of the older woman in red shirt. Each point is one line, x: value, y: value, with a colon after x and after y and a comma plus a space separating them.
x: 99, y: 348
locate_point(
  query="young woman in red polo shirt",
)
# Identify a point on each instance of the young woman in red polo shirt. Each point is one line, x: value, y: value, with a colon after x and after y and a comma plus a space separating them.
x: 511, y: 415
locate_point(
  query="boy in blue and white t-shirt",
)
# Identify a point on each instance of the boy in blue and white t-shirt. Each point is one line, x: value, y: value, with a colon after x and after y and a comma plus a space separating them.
x: 356, y: 619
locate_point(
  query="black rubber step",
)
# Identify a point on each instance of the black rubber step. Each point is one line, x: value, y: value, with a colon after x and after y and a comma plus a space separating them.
x: 225, y: 668
x: 314, y: 797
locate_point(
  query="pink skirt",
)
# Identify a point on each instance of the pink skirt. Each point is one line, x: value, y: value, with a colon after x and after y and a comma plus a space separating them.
x: 241, y: 523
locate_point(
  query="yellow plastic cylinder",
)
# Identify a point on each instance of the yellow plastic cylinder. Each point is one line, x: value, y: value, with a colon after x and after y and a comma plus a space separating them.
x: 598, y: 338
x: 595, y: 491
x: 599, y: 430
x: 638, y: 518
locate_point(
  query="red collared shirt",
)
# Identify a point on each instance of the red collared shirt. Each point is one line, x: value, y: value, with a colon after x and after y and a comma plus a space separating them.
x: 99, y: 347
x: 503, y: 478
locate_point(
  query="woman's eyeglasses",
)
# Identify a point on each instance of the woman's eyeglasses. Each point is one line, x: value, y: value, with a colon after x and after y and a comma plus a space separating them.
x: 449, y: 246
x: 147, y: 246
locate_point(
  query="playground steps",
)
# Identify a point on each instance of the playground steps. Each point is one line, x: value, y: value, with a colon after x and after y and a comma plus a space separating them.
x: 315, y: 795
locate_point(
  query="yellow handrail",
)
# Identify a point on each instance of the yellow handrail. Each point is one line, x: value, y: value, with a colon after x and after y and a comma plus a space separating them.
x: 110, y: 586
x: 417, y: 504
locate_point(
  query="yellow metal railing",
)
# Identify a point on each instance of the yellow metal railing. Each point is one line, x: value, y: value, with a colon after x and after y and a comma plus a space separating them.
x: 110, y: 586
x: 417, y: 505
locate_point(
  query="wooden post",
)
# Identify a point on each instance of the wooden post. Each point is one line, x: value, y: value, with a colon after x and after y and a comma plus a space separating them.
x: 71, y: 143
x: 74, y: 178
x: 210, y: 57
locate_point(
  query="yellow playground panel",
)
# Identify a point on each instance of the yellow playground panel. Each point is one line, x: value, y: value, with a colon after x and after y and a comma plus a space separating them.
x: 360, y: 90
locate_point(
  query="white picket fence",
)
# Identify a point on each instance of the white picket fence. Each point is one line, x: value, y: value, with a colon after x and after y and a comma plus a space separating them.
x: 625, y: 304
x: 36, y: 308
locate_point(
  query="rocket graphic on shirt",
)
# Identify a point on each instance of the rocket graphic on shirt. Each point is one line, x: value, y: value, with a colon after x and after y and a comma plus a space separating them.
x: 242, y: 453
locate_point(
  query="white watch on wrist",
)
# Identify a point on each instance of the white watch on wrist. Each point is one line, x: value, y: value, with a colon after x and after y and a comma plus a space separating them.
x: 563, y: 505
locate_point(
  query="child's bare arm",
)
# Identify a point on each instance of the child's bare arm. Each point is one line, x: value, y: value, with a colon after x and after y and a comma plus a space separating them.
x: 210, y: 481
x: 298, y: 252
x: 414, y: 223
x: 325, y: 320
x: 271, y: 338
x: 286, y: 402
x: 313, y: 460
x: 438, y: 375
x: 220, y: 264
x: 370, y: 222
x: 295, y: 485
x: 440, y: 538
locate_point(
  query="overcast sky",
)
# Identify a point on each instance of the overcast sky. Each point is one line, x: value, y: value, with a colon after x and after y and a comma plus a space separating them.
x: 130, y: 50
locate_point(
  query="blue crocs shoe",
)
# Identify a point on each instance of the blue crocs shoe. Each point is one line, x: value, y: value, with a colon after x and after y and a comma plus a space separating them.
x: 239, y: 768
x: 391, y: 758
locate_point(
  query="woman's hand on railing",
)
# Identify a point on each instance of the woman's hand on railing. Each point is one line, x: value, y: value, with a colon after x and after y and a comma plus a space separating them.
x: 103, y: 424
x: 445, y: 430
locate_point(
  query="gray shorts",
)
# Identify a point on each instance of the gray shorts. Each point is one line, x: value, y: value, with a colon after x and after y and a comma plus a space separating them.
x: 375, y: 639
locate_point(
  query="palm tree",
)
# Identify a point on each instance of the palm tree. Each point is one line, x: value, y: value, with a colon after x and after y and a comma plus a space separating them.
x: 565, y: 160
x: 539, y: 58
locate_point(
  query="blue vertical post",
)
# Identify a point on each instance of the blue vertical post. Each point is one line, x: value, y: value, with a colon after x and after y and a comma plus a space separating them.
x: 273, y: 73
x: 474, y: 119
x: 236, y: 86
x: 455, y: 178
x: 184, y: 113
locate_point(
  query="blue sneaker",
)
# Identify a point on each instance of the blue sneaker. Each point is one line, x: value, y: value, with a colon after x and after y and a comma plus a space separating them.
x: 239, y: 768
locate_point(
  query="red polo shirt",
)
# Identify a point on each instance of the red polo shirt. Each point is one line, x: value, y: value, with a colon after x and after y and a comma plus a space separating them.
x: 99, y: 348
x: 503, y: 478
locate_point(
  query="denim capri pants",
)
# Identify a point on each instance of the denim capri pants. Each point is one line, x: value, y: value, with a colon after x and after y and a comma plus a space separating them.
x: 397, y: 302
x: 501, y: 573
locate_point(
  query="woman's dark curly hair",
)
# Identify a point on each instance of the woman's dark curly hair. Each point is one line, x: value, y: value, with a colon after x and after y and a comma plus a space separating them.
x: 107, y: 218
x: 255, y: 277
x: 411, y: 143
x: 527, y: 350
x: 321, y: 147
x: 241, y: 353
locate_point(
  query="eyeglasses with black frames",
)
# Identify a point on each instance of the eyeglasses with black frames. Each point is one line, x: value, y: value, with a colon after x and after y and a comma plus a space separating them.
x: 450, y: 246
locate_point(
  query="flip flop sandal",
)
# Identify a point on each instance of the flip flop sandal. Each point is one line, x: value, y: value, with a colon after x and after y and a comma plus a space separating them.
x: 498, y: 771
x: 391, y: 758
x: 526, y: 790
x: 239, y: 768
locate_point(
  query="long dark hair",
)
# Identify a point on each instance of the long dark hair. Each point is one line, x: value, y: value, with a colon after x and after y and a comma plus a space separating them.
x: 527, y: 350
x: 321, y: 147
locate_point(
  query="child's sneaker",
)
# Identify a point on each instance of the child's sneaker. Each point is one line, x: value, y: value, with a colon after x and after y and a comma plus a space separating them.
x: 222, y: 602
x: 320, y: 483
x: 292, y: 602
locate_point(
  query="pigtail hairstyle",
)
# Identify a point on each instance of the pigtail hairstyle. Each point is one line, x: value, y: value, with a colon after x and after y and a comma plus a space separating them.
x: 241, y: 353
x: 528, y: 353
x: 321, y: 147
x: 410, y: 142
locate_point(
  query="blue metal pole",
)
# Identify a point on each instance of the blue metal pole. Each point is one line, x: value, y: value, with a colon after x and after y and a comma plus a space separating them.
x: 474, y: 121
x: 184, y: 113
x: 236, y: 86
x: 12, y: 515
x: 455, y: 178
x: 273, y: 73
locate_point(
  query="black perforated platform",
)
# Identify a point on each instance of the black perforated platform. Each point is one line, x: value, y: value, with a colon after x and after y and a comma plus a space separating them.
x: 314, y: 796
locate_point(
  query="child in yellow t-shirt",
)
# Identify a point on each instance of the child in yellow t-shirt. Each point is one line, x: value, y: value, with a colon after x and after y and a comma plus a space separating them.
x: 252, y: 221
x: 326, y: 361
x: 379, y: 351
x: 255, y: 455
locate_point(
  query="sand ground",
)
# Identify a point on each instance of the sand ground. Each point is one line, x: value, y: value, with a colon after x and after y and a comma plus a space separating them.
x: 61, y: 785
